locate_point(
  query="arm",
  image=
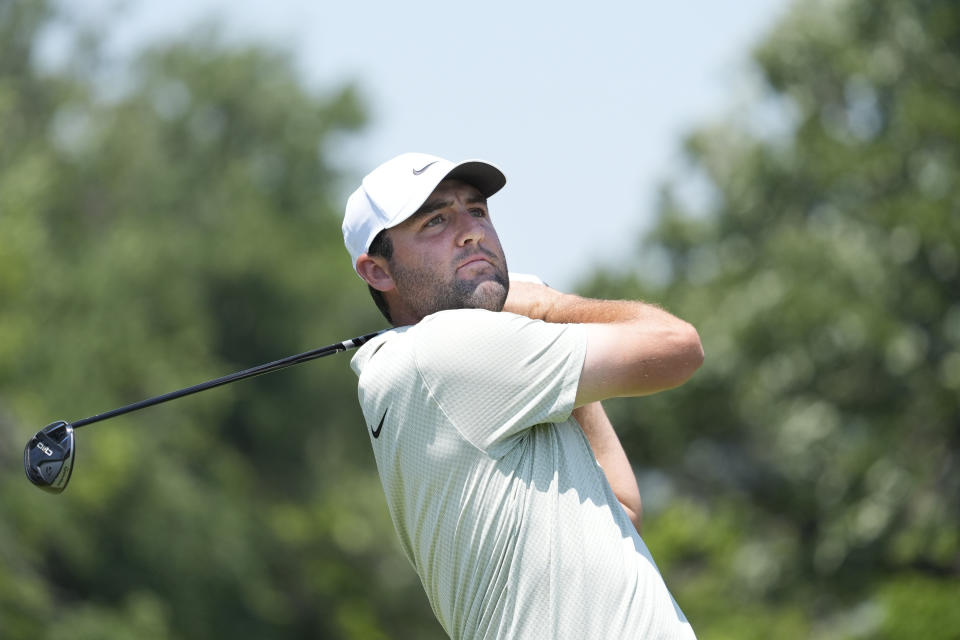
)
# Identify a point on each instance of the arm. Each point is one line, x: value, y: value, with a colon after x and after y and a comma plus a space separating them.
x: 633, y: 348
x: 612, y: 458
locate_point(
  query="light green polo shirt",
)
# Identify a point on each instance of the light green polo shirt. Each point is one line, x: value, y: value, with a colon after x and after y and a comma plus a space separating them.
x: 495, y: 493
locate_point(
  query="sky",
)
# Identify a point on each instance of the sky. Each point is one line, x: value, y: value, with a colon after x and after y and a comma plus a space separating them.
x: 583, y: 105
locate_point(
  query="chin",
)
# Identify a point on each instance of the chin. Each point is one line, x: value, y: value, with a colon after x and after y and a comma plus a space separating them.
x: 490, y: 295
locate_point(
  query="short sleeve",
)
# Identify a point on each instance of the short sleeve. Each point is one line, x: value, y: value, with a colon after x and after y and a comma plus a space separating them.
x: 496, y: 374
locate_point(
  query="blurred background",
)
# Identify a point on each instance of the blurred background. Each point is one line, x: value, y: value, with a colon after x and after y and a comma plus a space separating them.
x: 784, y: 175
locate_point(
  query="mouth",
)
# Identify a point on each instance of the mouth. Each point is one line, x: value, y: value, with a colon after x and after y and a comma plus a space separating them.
x: 474, y: 261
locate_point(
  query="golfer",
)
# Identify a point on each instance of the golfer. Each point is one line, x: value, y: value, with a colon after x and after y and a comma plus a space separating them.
x: 508, y: 487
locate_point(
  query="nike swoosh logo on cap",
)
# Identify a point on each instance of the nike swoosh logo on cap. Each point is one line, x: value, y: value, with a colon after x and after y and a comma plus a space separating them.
x: 376, y: 432
x: 417, y: 172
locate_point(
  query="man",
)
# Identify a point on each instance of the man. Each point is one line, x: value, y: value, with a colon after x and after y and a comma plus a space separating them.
x: 509, y: 490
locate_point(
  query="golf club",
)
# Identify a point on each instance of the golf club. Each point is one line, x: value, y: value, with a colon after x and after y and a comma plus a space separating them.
x: 49, y: 455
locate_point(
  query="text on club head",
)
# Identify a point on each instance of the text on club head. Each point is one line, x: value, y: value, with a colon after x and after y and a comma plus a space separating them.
x: 47, y: 450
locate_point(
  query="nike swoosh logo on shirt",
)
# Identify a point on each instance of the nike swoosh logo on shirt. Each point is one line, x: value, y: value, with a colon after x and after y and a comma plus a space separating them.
x: 376, y: 432
x: 417, y: 172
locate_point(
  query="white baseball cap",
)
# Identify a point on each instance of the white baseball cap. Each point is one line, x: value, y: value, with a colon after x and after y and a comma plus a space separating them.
x: 395, y: 190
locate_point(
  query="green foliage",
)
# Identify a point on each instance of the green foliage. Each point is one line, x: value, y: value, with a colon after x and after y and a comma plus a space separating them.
x: 805, y: 484
x: 183, y: 230
x: 818, y: 446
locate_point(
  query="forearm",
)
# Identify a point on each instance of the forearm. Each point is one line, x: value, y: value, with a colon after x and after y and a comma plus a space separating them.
x: 612, y: 458
x: 654, y: 321
x: 633, y: 348
x: 549, y: 305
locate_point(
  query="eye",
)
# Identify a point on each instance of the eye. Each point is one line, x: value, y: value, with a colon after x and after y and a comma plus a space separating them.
x: 434, y: 221
x: 478, y: 212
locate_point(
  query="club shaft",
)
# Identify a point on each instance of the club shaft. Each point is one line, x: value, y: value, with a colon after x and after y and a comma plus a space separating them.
x: 233, y: 377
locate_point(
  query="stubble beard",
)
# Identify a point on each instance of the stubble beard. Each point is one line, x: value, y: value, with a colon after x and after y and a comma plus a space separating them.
x: 428, y: 293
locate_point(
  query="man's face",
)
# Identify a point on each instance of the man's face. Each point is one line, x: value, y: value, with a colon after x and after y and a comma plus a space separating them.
x: 448, y: 255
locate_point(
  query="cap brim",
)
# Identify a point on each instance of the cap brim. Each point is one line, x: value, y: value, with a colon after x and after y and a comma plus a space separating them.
x: 484, y: 176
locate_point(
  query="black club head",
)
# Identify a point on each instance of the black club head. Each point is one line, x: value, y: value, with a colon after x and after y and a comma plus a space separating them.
x: 48, y: 457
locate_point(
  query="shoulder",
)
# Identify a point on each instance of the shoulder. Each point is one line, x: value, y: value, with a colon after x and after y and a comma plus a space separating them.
x: 466, y: 338
x: 475, y: 328
x: 457, y: 321
x: 443, y: 329
x: 387, y: 342
x: 444, y: 333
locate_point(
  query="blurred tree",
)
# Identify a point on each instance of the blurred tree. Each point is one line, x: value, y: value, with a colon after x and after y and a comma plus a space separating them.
x: 808, y: 478
x: 161, y: 223
x: 805, y: 484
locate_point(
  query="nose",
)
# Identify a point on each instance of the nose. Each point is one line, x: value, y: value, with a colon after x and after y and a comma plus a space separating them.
x: 470, y: 229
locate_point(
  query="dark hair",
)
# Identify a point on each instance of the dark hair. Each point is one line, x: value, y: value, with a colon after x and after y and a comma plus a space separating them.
x: 381, y: 246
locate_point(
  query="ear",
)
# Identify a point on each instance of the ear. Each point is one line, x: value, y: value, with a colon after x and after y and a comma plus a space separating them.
x: 376, y: 272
